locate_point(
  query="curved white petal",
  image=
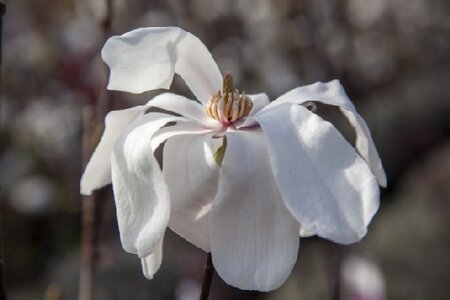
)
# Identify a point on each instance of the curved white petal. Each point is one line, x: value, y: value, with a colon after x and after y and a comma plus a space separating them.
x: 140, y: 193
x: 365, y: 144
x: 332, y: 93
x: 180, y: 128
x: 191, y: 175
x: 259, y: 102
x: 247, y: 122
x: 98, y: 170
x: 328, y: 92
x: 152, y: 262
x: 325, y: 184
x: 147, y: 58
x: 304, y: 232
x: 254, y: 238
x: 185, y: 107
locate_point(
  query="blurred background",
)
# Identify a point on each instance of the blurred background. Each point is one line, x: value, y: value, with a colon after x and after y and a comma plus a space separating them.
x: 392, y: 56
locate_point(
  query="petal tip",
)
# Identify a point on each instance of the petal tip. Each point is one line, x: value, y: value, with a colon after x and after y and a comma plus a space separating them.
x: 382, y: 179
x: 85, y: 190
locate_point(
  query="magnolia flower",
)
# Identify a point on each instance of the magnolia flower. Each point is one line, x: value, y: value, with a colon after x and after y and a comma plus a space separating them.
x: 241, y: 177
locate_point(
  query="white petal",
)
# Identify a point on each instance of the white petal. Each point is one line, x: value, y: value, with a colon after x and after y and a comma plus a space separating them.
x: 325, y: 184
x: 365, y: 144
x: 147, y: 58
x: 259, y: 102
x: 329, y: 92
x: 141, y: 195
x: 185, y: 107
x: 98, y: 170
x: 332, y: 93
x: 247, y: 122
x: 180, y: 128
x: 191, y: 175
x: 152, y: 262
x: 254, y: 238
x: 304, y: 232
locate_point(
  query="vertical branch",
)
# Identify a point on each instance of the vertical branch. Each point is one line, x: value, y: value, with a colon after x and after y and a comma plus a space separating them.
x: 334, y: 272
x: 207, y: 277
x: 92, y: 128
x: 103, y: 102
x: 2, y: 258
x: 88, y: 215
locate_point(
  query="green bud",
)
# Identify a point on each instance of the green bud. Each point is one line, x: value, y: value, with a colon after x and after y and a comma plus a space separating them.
x: 220, y: 152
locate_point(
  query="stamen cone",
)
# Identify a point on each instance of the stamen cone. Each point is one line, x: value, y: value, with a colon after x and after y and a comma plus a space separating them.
x: 227, y: 83
x: 228, y: 106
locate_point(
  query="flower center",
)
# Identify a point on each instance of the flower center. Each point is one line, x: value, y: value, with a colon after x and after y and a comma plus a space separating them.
x: 228, y: 106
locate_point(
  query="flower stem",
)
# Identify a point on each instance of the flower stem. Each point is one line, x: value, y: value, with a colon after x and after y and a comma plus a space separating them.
x: 207, y: 277
x: 335, y: 258
x: 3, y: 295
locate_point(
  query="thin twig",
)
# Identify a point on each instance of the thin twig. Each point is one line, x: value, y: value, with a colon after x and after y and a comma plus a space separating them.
x: 87, y: 217
x: 207, y: 277
x: 92, y: 127
x: 335, y: 257
x: 3, y: 294
x: 103, y: 101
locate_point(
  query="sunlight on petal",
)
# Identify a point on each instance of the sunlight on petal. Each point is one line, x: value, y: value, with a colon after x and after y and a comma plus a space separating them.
x: 326, y: 185
x: 332, y: 93
x: 98, y: 170
x: 254, y: 238
x: 140, y: 193
x: 146, y: 59
x: 191, y: 177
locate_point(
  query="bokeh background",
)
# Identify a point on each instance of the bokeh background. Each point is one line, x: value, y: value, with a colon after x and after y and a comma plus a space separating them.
x: 393, y: 58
